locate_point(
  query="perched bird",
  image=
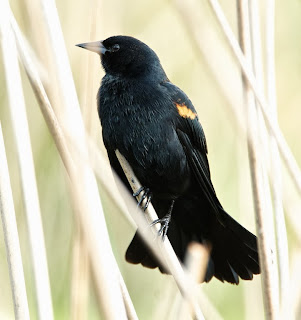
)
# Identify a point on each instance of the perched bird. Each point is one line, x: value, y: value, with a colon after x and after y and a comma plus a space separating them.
x: 156, y: 128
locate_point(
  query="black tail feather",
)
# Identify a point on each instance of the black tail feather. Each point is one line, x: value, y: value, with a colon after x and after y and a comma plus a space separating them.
x: 234, y: 252
x: 234, y: 249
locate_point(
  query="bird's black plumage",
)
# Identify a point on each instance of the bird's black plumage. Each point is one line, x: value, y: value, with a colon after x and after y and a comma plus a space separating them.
x: 155, y: 126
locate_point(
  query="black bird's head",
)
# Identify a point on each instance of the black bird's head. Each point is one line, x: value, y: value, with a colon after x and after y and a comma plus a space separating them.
x: 126, y: 56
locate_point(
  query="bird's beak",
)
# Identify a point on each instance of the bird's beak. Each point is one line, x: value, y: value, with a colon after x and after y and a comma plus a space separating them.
x: 96, y: 46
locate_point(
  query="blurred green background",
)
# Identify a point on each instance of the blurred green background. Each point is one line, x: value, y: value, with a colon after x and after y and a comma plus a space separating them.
x: 159, y: 24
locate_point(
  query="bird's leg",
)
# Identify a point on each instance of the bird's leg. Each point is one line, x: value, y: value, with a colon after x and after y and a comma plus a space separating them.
x: 164, y: 221
x: 146, y: 195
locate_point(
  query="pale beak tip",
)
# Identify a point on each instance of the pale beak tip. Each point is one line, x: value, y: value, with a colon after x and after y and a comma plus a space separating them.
x: 96, y: 46
x: 81, y: 45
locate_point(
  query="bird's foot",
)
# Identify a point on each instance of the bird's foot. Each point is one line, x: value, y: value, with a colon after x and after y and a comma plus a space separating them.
x: 164, y: 222
x: 164, y: 225
x: 146, y: 195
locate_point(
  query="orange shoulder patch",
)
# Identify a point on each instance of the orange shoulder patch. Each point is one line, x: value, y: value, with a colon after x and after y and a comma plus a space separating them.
x: 185, y: 112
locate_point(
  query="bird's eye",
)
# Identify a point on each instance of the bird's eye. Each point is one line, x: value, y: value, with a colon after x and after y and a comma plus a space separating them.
x: 115, y: 48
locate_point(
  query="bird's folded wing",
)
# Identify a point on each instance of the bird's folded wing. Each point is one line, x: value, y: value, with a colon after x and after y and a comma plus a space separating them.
x: 193, y: 140
x: 199, y: 164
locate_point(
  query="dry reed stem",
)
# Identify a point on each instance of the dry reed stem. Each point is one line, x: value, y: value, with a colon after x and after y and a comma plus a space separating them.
x: 264, y: 144
x: 83, y: 266
x: 295, y: 286
x: 196, y: 261
x: 80, y: 277
x: 269, y: 158
x: 130, y: 310
x: 26, y: 165
x: 265, y: 245
x: 80, y: 252
x: 293, y: 299
x: 11, y: 238
x: 276, y: 169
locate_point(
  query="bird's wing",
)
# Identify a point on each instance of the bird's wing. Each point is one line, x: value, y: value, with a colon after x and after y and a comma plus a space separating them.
x: 192, y: 138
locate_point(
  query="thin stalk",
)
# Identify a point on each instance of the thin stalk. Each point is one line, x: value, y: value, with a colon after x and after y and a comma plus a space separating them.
x: 26, y: 165
x: 80, y: 261
x: 80, y: 277
x: 130, y: 310
x: 275, y: 174
x: 11, y: 238
x: 270, y: 292
x: 196, y: 261
x: 268, y: 157
x: 295, y: 286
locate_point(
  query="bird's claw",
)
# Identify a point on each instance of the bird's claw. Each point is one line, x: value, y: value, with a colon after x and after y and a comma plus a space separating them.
x: 164, y: 225
x: 147, y: 195
x: 135, y: 194
x: 164, y: 222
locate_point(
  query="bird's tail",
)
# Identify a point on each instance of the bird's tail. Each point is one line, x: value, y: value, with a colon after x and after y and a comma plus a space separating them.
x: 234, y: 251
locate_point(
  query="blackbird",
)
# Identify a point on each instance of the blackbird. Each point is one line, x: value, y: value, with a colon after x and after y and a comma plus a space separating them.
x: 156, y: 128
